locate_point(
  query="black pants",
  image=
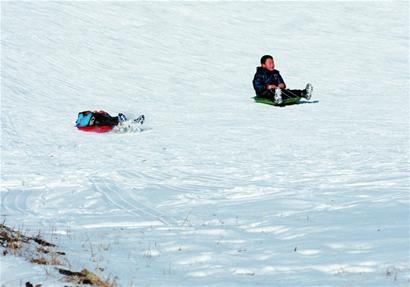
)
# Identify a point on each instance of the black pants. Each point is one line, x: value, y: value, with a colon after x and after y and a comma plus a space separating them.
x: 104, y: 119
x: 286, y: 94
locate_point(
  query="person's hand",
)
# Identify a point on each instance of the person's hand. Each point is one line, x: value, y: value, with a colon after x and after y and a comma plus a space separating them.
x: 271, y: 87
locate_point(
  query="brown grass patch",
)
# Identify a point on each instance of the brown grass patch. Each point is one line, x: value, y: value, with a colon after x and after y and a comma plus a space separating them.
x: 85, y: 277
x: 39, y: 251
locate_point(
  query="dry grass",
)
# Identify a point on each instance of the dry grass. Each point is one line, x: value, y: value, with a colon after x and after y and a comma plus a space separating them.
x: 35, y: 249
x: 39, y: 251
x: 85, y: 277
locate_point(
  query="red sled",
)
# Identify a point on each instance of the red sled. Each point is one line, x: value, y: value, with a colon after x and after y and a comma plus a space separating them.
x: 96, y: 121
x: 96, y: 129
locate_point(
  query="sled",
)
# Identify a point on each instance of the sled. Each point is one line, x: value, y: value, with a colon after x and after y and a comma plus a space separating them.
x: 285, y: 102
x: 96, y: 129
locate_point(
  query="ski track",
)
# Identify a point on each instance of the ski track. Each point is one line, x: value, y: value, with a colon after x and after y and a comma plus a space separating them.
x: 124, y: 200
x: 16, y: 201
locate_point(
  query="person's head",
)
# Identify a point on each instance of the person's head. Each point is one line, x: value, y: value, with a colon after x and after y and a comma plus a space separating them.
x: 267, y: 62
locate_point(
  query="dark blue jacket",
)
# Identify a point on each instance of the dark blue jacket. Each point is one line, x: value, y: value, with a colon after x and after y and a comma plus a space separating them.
x: 264, y: 77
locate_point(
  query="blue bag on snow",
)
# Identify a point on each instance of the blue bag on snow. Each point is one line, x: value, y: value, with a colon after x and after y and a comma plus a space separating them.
x: 84, y: 119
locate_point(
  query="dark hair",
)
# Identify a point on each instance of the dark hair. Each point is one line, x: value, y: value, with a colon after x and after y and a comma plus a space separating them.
x: 264, y: 58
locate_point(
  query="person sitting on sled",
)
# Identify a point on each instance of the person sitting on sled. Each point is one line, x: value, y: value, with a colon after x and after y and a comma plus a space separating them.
x: 101, y: 121
x: 98, y: 118
x: 269, y: 84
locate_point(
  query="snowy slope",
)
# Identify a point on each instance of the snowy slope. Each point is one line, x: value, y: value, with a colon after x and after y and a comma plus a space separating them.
x: 218, y: 190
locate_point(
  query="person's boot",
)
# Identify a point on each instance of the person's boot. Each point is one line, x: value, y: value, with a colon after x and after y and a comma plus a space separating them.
x: 121, y: 118
x: 308, y: 91
x: 140, y: 119
x: 278, y: 96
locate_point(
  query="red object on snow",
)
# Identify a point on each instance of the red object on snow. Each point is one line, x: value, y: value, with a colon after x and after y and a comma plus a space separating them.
x: 96, y: 129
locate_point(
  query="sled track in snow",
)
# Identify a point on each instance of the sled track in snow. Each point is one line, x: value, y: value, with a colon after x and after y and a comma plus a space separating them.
x: 16, y: 201
x: 185, y: 180
x: 124, y: 200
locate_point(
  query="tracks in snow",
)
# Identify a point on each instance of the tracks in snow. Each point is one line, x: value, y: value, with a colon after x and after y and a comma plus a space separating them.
x: 125, y: 199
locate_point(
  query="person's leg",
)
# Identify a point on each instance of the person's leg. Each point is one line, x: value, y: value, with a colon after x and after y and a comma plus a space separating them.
x: 268, y: 94
x: 104, y: 119
x: 286, y: 93
x: 283, y: 94
x: 273, y: 95
x: 305, y: 93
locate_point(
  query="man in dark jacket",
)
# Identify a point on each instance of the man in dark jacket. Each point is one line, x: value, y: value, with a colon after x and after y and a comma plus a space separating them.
x: 268, y: 83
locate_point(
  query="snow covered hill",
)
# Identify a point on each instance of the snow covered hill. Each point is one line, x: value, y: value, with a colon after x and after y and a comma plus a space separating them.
x: 218, y: 190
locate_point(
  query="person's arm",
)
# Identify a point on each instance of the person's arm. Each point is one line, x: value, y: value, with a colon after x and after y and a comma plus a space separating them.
x: 278, y: 80
x: 282, y: 83
x: 259, y: 83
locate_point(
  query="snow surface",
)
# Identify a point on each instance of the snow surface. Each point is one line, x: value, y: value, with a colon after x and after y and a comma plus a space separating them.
x: 218, y: 190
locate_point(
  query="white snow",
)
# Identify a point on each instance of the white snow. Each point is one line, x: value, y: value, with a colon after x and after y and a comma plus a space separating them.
x: 217, y: 190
